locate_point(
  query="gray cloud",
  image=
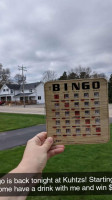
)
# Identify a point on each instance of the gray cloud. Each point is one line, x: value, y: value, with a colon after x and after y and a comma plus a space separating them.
x: 56, y: 35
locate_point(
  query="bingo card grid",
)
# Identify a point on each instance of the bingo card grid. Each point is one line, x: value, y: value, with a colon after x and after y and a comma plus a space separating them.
x: 77, y: 111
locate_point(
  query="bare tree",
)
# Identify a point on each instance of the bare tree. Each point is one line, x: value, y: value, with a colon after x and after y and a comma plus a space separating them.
x: 83, y: 72
x: 79, y: 73
x: 49, y: 75
x: 98, y: 75
x: 4, y: 75
x: 19, y: 79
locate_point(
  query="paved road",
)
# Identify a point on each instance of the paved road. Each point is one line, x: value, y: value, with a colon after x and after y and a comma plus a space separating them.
x: 110, y: 119
x: 18, y: 137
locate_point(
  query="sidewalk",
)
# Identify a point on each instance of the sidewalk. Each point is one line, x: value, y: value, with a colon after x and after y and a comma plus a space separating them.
x: 33, y: 109
x: 29, y: 109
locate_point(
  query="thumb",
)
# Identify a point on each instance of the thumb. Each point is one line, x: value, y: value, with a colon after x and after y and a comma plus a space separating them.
x: 48, y: 143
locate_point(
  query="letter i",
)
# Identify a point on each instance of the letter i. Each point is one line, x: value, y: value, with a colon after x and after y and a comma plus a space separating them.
x: 65, y: 87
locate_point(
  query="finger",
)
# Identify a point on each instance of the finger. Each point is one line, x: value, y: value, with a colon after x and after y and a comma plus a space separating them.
x: 40, y: 138
x: 54, y: 152
x: 56, y: 147
x: 48, y: 143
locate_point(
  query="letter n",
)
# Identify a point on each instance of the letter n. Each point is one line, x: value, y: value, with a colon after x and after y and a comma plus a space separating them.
x: 76, y: 86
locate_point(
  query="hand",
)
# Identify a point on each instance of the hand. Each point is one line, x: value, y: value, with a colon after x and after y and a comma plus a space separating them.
x: 37, y: 152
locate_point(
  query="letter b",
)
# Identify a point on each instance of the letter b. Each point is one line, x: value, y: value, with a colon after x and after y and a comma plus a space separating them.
x: 56, y: 87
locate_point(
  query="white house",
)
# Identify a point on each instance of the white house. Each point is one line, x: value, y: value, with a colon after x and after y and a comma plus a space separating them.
x: 33, y: 92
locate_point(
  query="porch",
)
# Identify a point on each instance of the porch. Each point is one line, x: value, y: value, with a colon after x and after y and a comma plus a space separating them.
x: 29, y: 98
x: 6, y: 98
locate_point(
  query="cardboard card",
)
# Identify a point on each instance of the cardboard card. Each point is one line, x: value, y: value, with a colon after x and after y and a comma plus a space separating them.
x: 77, y: 111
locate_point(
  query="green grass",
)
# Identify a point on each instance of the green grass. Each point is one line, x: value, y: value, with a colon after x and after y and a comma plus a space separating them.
x: 15, y: 121
x: 76, y: 158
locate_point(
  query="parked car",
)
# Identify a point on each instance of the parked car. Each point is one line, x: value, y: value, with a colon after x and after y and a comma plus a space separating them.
x: 2, y: 102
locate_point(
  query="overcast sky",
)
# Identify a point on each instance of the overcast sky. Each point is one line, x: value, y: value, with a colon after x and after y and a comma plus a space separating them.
x: 56, y: 35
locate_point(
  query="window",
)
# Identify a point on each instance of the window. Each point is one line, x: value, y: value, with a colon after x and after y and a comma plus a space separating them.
x: 58, y: 130
x: 77, y: 113
x: 68, y: 131
x: 11, y: 91
x: 77, y: 121
x: 57, y: 105
x: 88, y: 130
x: 76, y: 95
x: 7, y: 89
x: 86, y: 94
x: 86, y: 103
x: 96, y: 103
x: 76, y: 104
x: 98, y: 129
x: 87, y: 112
x: 66, y: 96
x: 56, y: 96
x: 77, y: 130
x: 30, y: 90
x: 57, y: 122
x: 57, y: 114
x: 4, y: 90
x: 66, y: 104
x: 67, y: 113
x: 96, y: 94
x: 67, y: 122
x: 39, y: 97
x: 87, y: 121
x: 97, y: 121
x: 97, y: 112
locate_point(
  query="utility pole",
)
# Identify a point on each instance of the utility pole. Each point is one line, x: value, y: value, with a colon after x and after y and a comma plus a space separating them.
x: 23, y: 69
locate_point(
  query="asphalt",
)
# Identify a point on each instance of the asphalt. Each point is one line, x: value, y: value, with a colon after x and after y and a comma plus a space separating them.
x: 19, y: 137
x: 110, y: 120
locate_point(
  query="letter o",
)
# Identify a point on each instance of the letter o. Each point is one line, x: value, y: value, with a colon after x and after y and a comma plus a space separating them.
x: 96, y: 85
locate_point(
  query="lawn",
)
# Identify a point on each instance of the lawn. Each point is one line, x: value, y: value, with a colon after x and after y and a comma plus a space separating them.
x: 76, y: 158
x: 15, y: 121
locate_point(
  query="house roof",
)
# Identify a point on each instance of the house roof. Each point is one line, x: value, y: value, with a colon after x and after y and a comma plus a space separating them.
x: 31, y: 85
x: 13, y: 86
x: 26, y: 86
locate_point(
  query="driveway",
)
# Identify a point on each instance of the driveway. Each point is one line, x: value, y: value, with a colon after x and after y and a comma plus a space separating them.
x: 18, y: 137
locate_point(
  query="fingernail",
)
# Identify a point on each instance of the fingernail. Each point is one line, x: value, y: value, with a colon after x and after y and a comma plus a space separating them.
x: 50, y: 139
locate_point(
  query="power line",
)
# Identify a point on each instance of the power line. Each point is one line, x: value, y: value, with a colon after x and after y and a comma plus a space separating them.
x: 23, y: 69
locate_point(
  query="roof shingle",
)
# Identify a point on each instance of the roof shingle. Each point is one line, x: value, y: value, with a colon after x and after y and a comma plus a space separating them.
x: 26, y: 86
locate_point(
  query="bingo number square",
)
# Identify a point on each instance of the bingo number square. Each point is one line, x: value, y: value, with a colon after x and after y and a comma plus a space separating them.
x: 77, y: 111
